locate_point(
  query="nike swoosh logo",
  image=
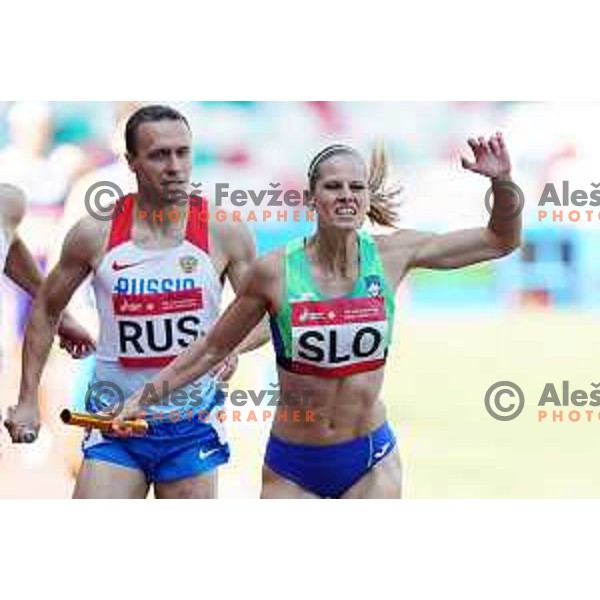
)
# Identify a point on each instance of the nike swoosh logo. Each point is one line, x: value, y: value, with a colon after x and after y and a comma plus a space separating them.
x: 117, y: 266
x: 202, y: 455
x: 381, y: 453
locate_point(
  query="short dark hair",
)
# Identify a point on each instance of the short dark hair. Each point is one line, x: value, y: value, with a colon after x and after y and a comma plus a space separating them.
x: 149, y: 114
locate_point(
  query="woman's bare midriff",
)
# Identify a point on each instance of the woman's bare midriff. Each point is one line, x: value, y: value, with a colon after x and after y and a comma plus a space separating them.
x: 322, y: 411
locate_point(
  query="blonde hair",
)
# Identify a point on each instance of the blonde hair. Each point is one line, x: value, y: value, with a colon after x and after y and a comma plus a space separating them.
x: 382, y: 206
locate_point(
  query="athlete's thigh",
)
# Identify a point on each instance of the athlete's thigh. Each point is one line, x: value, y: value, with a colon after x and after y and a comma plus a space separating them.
x: 200, y: 487
x: 99, y: 479
x: 276, y: 487
x: 72, y: 450
x: 383, y: 481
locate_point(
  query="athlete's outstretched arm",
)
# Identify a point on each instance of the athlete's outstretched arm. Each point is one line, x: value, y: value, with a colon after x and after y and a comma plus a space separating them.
x: 466, y: 247
x: 74, y: 265
x: 241, y: 316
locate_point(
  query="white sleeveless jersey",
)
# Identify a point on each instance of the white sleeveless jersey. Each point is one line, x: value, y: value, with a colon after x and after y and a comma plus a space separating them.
x: 154, y: 303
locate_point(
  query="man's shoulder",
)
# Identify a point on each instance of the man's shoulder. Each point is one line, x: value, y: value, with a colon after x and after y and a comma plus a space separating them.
x: 89, y: 226
x: 87, y: 236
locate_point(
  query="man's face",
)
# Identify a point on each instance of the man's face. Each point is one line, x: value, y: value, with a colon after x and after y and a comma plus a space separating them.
x: 162, y: 161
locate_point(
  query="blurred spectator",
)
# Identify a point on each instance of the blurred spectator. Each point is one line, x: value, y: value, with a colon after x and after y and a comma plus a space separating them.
x: 115, y: 170
x: 44, y: 172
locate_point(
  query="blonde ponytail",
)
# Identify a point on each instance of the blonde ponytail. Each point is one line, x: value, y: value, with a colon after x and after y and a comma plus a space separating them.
x: 384, y: 207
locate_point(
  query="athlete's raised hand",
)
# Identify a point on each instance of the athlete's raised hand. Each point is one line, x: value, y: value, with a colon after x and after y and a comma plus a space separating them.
x: 491, y: 157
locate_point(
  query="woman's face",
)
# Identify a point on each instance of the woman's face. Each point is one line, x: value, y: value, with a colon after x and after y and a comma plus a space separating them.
x: 341, y: 196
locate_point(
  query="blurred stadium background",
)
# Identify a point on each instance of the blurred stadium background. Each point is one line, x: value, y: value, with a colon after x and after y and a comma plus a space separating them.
x: 530, y: 318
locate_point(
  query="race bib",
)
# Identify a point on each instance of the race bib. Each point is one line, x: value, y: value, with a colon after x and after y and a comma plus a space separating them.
x: 154, y: 328
x: 341, y: 335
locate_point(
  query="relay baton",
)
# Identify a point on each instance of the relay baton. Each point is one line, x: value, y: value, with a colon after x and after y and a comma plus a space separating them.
x: 138, y: 426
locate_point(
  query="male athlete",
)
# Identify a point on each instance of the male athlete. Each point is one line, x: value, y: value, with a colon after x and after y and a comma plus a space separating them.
x: 158, y: 282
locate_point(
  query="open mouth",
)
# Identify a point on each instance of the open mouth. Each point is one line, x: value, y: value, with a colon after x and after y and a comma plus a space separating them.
x: 345, y: 211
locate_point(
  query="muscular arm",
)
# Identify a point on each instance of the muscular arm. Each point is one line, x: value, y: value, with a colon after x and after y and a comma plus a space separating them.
x: 73, y: 267
x: 20, y: 265
x: 249, y: 306
x: 242, y: 254
x: 469, y: 246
